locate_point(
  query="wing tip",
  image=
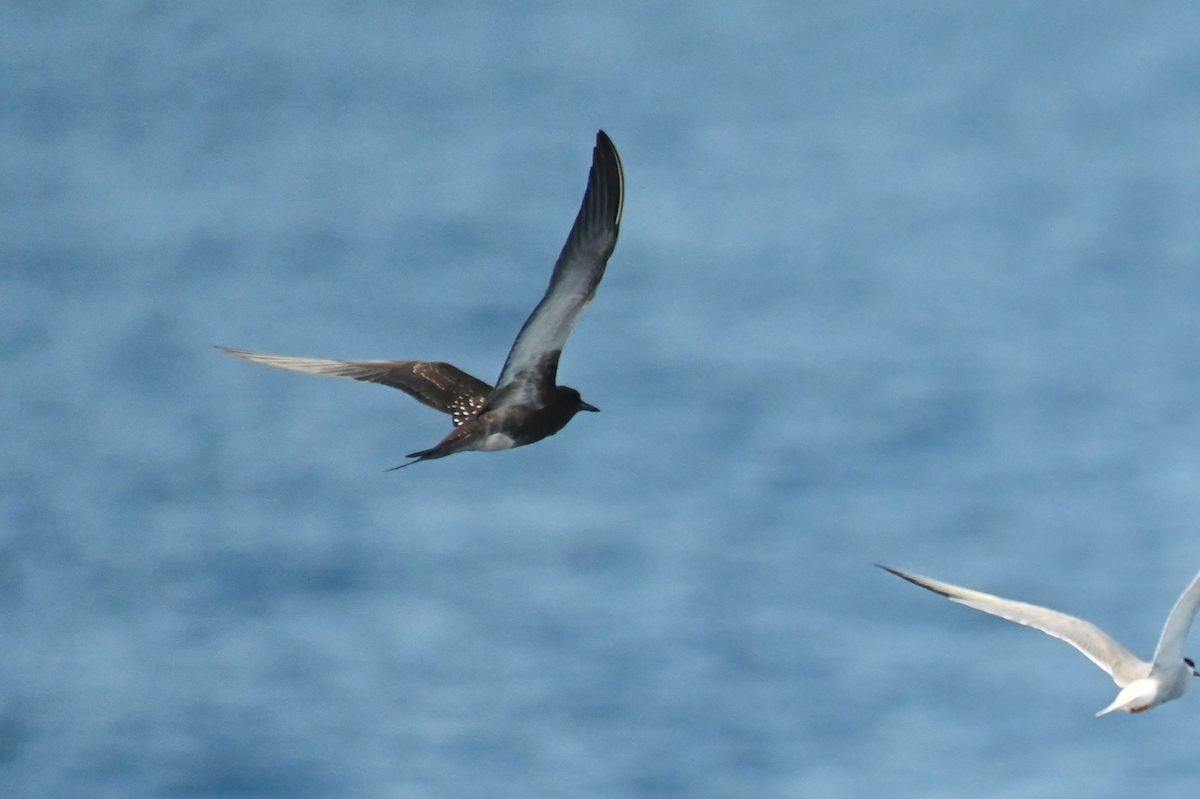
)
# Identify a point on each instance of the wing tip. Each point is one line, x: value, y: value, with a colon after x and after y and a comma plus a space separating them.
x: 914, y: 579
x: 236, y: 352
x: 604, y: 150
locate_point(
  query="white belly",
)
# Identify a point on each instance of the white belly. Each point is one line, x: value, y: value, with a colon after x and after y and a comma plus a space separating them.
x: 495, y: 441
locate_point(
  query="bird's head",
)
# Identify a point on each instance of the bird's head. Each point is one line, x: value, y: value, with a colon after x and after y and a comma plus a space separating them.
x: 1191, y: 664
x: 570, y: 399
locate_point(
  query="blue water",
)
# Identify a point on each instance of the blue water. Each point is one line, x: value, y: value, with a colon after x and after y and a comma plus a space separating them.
x: 915, y: 283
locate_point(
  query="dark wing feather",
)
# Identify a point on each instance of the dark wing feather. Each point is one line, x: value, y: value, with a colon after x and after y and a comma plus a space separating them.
x: 531, y: 368
x: 441, y: 386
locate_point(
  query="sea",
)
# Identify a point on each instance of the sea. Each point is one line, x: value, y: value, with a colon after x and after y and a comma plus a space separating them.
x: 913, y: 284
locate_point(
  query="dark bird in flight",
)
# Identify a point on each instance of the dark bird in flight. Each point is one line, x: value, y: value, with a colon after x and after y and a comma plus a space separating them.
x: 525, y: 405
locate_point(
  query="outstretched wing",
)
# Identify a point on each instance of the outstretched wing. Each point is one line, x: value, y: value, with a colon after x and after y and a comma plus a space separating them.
x: 1170, y: 643
x: 1089, y: 639
x: 441, y: 386
x: 531, y: 368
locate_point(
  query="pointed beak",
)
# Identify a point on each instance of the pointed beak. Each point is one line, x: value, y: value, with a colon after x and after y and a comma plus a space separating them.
x: 584, y: 406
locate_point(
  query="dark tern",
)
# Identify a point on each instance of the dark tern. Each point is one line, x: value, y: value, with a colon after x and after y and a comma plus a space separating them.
x: 526, y: 404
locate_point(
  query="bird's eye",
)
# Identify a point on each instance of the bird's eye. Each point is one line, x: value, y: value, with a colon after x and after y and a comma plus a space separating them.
x: 1191, y: 663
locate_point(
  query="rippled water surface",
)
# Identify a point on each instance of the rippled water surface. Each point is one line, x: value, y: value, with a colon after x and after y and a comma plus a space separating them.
x: 906, y: 283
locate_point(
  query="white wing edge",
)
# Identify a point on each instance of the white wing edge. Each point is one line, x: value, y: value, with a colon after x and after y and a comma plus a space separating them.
x: 1175, y: 631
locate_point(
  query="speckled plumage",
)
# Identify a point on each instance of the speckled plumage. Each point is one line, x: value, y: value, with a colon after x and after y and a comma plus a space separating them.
x: 526, y: 405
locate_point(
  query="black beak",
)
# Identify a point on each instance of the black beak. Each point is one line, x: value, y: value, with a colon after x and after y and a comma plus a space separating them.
x: 584, y: 406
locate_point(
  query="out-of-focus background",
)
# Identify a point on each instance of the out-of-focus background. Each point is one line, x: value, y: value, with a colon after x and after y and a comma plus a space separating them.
x: 915, y: 283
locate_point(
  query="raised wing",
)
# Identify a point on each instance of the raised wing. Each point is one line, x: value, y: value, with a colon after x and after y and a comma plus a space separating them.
x: 1170, y: 643
x: 1089, y: 639
x: 532, y: 365
x: 441, y: 386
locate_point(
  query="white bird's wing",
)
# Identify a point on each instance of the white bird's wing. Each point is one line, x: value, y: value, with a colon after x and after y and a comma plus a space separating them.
x: 1089, y: 639
x: 1170, y: 643
x: 531, y: 368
